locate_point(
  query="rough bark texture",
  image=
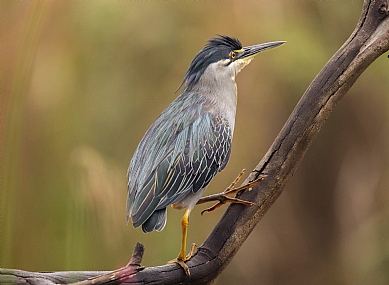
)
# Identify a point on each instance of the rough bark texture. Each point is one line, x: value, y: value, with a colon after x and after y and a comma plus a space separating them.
x: 369, y: 40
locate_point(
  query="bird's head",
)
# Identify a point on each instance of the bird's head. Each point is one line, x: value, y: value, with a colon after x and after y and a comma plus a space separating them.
x: 227, y: 53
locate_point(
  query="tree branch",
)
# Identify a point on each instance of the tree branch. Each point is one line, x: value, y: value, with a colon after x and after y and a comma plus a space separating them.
x: 369, y: 40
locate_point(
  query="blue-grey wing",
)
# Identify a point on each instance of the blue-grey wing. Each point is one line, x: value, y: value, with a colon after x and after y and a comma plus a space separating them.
x: 196, y: 154
x: 159, y: 140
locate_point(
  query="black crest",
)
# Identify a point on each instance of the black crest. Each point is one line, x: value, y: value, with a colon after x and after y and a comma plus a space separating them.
x: 216, y: 49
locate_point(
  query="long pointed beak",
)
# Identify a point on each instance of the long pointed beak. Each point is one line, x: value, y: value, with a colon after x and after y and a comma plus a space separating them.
x: 251, y: 51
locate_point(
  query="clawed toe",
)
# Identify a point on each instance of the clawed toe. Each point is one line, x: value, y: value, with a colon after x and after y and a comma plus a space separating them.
x: 181, y: 260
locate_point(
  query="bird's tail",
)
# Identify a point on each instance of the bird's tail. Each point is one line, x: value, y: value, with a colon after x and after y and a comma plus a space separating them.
x: 157, y: 221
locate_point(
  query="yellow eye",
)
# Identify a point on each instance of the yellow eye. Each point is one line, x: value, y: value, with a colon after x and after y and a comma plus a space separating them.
x: 232, y: 55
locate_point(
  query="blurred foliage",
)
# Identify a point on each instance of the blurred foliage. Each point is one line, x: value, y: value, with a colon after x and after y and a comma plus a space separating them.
x: 81, y: 81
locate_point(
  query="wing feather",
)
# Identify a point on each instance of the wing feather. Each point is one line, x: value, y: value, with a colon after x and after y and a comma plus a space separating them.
x: 176, y: 163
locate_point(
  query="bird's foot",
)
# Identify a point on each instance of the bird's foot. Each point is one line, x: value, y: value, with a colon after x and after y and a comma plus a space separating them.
x: 223, y: 197
x: 180, y: 260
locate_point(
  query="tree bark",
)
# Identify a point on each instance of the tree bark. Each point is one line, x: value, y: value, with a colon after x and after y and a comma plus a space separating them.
x: 369, y: 40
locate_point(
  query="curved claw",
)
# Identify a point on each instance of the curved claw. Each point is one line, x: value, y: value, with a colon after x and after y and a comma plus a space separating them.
x: 181, y: 263
x: 181, y: 260
x: 223, y: 197
x: 223, y: 200
x: 212, y: 208
x: 244, y: 187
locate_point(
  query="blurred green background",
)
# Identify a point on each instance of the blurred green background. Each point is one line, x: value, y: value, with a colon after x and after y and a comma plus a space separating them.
x: 81, y: 81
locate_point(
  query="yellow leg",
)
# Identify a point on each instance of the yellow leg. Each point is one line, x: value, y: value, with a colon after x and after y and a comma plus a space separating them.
x: 184, y: 226
x: 182, y: 256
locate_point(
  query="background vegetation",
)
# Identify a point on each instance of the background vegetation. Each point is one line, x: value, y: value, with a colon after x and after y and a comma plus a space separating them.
x: 81, y: 81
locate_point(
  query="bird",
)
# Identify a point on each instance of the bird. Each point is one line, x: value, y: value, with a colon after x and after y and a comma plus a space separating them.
x: 190, y: 142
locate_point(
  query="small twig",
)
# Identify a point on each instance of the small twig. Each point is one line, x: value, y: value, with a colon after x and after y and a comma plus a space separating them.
x: 127, y: 273
x: 137, y: 255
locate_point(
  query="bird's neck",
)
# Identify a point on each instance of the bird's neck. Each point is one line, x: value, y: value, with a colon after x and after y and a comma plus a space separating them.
x: 220, y: 92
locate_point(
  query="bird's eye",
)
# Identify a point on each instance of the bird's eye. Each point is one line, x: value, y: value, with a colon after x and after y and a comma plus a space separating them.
x: 232, y: 55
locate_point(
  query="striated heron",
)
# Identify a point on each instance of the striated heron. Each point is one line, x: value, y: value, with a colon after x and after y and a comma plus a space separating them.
x: 190, y: 142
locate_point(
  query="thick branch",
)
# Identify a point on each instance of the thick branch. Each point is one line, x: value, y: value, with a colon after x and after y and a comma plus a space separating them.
x: 369, y: 40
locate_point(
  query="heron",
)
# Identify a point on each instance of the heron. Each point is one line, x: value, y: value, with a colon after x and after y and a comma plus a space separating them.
x: 190, y: 142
